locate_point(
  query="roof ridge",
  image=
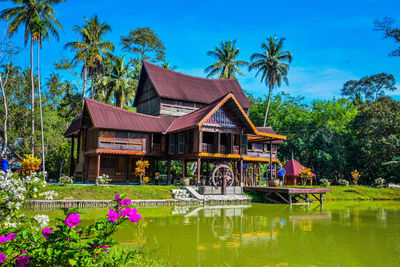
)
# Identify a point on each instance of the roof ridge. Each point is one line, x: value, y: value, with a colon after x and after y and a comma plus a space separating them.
x: 191, y: 76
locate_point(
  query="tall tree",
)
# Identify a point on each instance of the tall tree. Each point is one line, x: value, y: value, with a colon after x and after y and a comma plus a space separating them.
x: 369, y: 88
x: 22, y: 15
x: 273, y: 64
x: 144, y: 44
x: 226, y: 64
x: 91, y: 50
x: 386, y: 25
x: 118, y: 83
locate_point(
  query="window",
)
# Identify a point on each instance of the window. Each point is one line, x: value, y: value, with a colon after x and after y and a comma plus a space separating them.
x: 108, y: 163
x: 171, y: 144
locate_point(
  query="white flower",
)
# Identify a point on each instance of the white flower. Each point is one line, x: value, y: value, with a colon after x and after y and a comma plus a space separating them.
x: 43, y: 220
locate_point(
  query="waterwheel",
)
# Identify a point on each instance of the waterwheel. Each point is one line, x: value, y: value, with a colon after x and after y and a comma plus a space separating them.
x: 220, y: 173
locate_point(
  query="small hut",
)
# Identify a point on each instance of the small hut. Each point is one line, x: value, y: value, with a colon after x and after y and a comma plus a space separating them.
x: 293, y: 168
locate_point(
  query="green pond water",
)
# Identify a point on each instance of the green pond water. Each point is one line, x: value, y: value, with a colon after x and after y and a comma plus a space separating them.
x: 339, y: 234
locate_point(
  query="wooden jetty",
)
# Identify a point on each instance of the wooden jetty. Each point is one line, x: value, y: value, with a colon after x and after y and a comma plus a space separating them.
x: 289, y: 195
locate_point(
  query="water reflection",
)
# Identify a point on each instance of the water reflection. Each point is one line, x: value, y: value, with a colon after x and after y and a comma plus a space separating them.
x: 269, y: 235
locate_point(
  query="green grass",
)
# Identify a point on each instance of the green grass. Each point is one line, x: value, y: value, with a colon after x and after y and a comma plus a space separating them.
x: 356, y: 192
x: 92, y: 192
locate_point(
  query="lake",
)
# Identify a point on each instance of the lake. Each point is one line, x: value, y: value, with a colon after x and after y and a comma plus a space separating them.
x: 337, y: 234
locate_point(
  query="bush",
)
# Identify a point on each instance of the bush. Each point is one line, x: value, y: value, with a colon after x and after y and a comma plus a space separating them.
x: 325, y: 182
x: 68, y: 243
x: 379, y: 182
x: 65, y: 180
x: 343, y: 182
x: 104, y: 179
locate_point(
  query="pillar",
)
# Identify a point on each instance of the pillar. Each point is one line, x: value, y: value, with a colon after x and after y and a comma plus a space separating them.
x: 198, y: 171
x: 72, y: 163
x: 259, y: 174
x: 128, y: 168
x: 168, y: 171
x: 241, y: 171
x: 270, y: 160
x: 183, y: 169
x: 98, y: 166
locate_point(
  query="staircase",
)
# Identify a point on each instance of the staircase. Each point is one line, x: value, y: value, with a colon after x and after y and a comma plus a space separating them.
x: 181, y: 194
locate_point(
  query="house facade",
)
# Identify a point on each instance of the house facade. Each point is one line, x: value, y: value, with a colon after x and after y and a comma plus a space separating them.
x: 179, y: 118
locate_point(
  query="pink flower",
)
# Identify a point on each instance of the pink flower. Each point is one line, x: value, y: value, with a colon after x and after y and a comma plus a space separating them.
x: 4, y: 239
x: 22, y: 261
x: 72, y: 220
x: 46, y: 232
x: 126, y: 202
x: 135, y: 217
x: 2, y: 257
x: 113, y: 216
x: 126, y: 212
x: 117, y: 197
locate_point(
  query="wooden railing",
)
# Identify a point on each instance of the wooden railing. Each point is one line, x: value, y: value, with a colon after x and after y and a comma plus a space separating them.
x: 156, y: 147
x: 207, y: 148
x: 260, y: 154
x: 120, y: 145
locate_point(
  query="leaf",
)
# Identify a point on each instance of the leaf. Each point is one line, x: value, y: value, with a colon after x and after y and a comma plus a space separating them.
x: 72, y: 262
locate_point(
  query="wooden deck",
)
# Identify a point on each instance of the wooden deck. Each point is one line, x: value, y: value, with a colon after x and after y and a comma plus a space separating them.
x: 289, y: 195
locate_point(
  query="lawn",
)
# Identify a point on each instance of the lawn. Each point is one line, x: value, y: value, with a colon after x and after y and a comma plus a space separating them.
x: 92, y: 192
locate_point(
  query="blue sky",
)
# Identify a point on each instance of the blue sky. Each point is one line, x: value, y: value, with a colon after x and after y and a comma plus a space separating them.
x: 331, y: 41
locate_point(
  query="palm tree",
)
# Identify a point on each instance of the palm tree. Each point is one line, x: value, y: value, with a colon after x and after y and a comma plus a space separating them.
x: 39, y: 33
x: 166, y: 65
x: 23, y: 14
x: 91, y: 49
x: 227, y: 65
x: 118, y: 83
x: 273, y: 64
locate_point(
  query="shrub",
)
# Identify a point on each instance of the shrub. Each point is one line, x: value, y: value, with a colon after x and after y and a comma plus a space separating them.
x: 343, y: 182
x: 65, y: 180
x: 30, y: 164
x: 379, y: 182
x: 68, y: 243
x: 104, y: 179
x: 325, y: 182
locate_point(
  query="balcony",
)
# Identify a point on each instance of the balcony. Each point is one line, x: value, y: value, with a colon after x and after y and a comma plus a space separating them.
x: 156, y: 147
x: 121, y: 145
x: 261, y: 154
x: 207, y: 148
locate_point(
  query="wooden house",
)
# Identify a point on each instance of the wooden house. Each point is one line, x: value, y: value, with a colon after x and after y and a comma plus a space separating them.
x: 179, y: 117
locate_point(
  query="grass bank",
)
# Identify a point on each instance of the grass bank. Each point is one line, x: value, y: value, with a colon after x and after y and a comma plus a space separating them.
x: 349, y: 193
x: 91, y: 192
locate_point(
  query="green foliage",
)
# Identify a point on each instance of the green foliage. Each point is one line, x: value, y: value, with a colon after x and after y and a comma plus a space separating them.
x: 65, y: 180
x: 379, y: 182
x: 343, y: 182
x: 324, y: 182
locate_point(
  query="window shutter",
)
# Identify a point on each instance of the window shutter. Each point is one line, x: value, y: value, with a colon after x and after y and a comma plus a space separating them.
x: 181, y: 143
x: 243, y: 143
x: 171, y: 144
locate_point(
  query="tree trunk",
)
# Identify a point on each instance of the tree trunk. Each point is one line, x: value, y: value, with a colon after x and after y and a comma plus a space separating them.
x: 32, y: 104
x: 40, y: 107
x: 84, y: 83
x: 5, y: 138
x: 269, y: 99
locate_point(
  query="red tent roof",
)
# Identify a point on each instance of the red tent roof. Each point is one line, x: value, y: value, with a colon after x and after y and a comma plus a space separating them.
x: 174, y: 85
x: 293, y: 168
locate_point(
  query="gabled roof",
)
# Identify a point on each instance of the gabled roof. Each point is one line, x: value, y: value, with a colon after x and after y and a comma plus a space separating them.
x: 293, y: 168
x: 198, y: 117
x: 175, y: 85
x: 108, y: 117
x: 75, y: 126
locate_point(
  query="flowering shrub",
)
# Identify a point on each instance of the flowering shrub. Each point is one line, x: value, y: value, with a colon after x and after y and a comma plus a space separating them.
x: 325, y: 182
x: 68, y: 243
x: 15, y: 191
x: 305, y: 174
x: 355, y: 175
x: 140, y: 170
x: 146, y: 180
x: 343, y: 182
x: 379, y: 182
x: 30, y: 165
x: 65, y: 180
x: 103, y: 179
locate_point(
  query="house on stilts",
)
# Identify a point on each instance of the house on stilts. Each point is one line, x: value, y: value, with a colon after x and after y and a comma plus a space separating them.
x: 179, y: 118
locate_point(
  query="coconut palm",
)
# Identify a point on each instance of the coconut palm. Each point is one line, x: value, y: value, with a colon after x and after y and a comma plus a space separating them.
x: 23, y: 14
x: 91, y: 49
x: 118, y: 83
x: 273, y: 64
x: 227, y: 65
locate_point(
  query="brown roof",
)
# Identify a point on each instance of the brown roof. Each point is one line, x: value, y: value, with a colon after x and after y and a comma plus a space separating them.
x: 175, y: 85
x: 109, y: 117
x: 269, y: 130
x: 198, y: 117
x: 75, y: 125
x: 293, y: 168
